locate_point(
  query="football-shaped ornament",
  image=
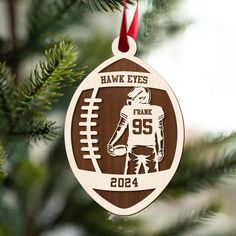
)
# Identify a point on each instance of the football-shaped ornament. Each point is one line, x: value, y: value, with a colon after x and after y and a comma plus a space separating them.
x: 124, y: 133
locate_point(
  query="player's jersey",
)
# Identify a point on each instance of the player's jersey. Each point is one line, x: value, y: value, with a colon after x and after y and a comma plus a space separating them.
x: 143, y: 121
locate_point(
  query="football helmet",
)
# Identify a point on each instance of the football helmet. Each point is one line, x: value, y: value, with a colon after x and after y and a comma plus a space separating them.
x: 139, y: 95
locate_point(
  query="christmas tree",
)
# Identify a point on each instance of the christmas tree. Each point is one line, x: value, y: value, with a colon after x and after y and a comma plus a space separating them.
x: 38, y: 193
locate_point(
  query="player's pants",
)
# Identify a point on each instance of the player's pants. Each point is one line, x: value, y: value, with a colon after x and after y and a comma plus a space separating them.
x: 141, y: 159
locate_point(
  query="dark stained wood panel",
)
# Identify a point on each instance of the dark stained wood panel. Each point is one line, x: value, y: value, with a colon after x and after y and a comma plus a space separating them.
x: 124, y: 199
x: 124, y: 65
x: 109, y: 115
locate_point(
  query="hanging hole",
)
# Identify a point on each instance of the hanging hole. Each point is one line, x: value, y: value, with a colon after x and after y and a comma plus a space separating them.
x: 130, y: 52
x: 125, y: 50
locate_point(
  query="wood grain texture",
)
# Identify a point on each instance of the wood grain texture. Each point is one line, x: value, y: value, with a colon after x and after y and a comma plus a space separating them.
x: 124, y: 199
x: 124, y: 65
x: 109, y: 115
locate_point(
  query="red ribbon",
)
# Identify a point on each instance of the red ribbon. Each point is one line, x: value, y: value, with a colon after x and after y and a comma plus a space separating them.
x: 133, y: 30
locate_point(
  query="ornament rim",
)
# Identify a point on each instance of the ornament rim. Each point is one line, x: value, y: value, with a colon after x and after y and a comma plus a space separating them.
x: 179, y: 144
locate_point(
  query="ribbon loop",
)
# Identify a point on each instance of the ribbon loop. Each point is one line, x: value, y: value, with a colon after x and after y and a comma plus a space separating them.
x: 132, y: 32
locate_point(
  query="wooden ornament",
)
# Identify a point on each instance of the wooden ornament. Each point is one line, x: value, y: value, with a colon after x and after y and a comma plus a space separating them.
x: 124, y: 133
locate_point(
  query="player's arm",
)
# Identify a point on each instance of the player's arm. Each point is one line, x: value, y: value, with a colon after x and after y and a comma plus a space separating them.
x: 160, y: 137
x: 121, y: 127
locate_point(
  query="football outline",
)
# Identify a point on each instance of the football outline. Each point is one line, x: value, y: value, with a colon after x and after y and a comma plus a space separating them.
x: 89, y: 115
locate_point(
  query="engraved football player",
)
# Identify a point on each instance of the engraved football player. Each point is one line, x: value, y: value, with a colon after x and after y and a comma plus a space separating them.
x: 145, y: 145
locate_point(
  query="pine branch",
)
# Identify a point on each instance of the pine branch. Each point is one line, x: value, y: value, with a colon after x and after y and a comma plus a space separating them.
x: 6, y: 98
x: 21, y: 112
x: 204, y: 162
x: 46, y: 18
x: 208, y: 146
x: 190, y: 221
x: 2, y: 160
x: 39, y: 130
x: 43, y: 130
x: 157, y: 24
x: 197, y: 176
x: 12, y: 20
x: 209, y: 143
x: 105, y: 5
x: 42, y: 88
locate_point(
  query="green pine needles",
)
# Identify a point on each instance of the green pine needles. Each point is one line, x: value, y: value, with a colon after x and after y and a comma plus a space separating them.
x: 204, y: 164
x: 2, y: 159
x: 190, y: 220
x: 199, y: 176
x: 42, y: 88
x: 105, y: 5
x: 23, y: 109
x: 6, y: 98
x: 36, y: 180
x: 52, y: 16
